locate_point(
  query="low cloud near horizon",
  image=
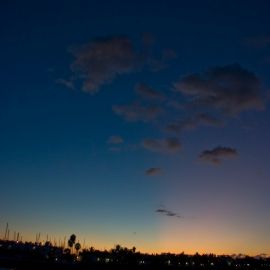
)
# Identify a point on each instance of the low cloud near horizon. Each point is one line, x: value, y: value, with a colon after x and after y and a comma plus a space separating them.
x: 216, y: 155
x: 167, y: 213
x: 153, y: 171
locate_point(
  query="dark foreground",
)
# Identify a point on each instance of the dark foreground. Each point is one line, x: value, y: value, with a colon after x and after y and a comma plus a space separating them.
x: 35, y: 265
x: 28, y: 256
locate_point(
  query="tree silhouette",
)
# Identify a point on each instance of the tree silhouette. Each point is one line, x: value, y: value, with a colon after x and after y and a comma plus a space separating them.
x: 77, y: 247
x: 71, y: 241
x: 73, y: 238
x: 118, y: 248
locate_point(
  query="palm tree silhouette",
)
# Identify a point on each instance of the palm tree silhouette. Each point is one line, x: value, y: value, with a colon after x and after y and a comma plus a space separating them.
x: 71, y: 241
x: 77, y: 247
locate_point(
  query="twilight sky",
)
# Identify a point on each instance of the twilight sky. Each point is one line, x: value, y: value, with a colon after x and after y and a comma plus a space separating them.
x: 143, y: 123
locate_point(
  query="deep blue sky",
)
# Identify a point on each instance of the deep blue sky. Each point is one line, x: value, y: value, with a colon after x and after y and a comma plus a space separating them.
x: 83, y: 160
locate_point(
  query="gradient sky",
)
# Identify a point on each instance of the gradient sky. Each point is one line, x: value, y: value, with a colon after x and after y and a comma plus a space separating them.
x: 143, y: 123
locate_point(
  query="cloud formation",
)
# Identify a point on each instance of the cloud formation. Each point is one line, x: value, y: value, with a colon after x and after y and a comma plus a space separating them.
x: 100, y: 61
x: 216, y: 155
x: 167, y: 213
x: 168, y: 145
x: 153, y: 171
x: 148, y: 92
x: 115, y: 140
x: 231, y: 89
x: 137, y: 112
x: 201, y: 119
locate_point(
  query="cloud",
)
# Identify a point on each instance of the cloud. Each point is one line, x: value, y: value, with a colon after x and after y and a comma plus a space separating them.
x: 100, y: 61
x: 230, y: 89
x: 153, y: 171
x: 137, y: 112
x: 201, y: 119
x: 216, y: 155
x: 167, y: 213
x: 168, y: 145
x: 148, y: 92
x: 115, y: 140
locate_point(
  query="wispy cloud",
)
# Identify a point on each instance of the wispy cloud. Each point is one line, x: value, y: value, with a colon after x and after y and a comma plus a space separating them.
x: 167, y: 213
x: 148, y: 92
x: 201, y: 119
x: 230, y: 89
x: 168, y: 145
x: 153, y: 171
x: 115, y: 140
x: 137, y: 112
x: 216, y: 155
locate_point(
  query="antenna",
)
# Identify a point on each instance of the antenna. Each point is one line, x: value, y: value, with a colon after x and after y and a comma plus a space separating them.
x: 6, y: 232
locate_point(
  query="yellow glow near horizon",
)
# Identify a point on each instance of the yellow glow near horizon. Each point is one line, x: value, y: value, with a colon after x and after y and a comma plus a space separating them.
x: 204, y: 243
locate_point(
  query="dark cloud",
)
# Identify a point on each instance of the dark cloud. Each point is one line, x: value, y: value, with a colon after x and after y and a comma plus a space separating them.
x: 168, y: 145
x: 216, y: 155
x: 231, y: 89
x: 148, y: 92
x: 100, y: 61
x: 137, y: 112
x: 115, y: 140
x: 201, y: 119
x: 153, y: 171
x: 167, y: 213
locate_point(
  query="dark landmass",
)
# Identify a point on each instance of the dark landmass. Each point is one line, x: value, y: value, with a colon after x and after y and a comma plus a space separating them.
x: 27, y: 256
